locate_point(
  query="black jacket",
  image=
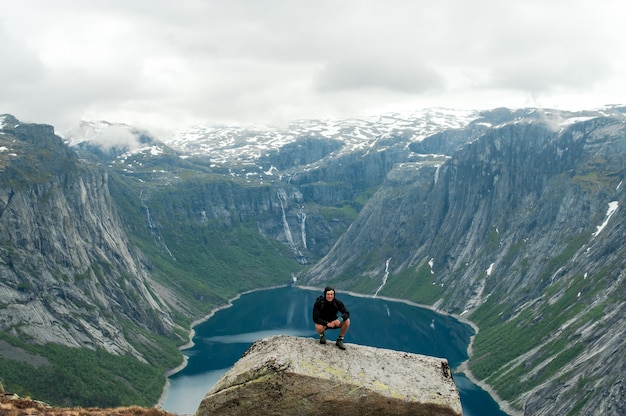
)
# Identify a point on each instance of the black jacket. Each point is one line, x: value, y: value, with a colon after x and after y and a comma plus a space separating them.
x: 325, y: 312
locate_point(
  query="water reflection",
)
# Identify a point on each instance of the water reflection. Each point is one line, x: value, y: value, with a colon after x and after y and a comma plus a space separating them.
x: 250, y: 337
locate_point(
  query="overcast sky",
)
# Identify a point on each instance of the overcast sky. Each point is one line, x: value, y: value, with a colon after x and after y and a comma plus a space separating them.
x: 168, y: 64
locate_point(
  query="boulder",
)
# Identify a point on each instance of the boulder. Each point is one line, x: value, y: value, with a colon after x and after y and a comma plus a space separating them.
x: 286, y: 375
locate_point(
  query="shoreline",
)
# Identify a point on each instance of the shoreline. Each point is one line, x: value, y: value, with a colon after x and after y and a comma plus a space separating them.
x: 463, y: 368
x: 192, y: 332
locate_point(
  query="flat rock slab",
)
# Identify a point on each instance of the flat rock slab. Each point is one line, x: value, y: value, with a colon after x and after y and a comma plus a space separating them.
x: 286, y: 375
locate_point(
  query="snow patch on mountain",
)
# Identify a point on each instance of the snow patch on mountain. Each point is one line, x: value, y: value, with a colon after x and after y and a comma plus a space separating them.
x: 229, y: 144
x: 613, y: 206
x: 242, y: 147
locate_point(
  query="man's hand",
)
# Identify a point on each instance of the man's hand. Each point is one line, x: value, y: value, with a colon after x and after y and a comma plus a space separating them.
x: 334, y: 324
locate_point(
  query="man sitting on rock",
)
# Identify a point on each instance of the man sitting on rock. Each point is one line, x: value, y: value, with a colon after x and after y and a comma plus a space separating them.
x: 325, y: 311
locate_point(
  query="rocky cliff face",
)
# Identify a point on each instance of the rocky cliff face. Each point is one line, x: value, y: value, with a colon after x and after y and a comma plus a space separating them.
x: 288, y: 375
x: 68, y: 273
x: 521, y: 230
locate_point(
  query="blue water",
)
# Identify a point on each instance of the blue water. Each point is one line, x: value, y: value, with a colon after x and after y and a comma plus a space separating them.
x: 220, y: 341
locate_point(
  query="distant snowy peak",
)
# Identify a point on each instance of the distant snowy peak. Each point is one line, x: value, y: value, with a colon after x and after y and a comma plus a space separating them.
x: 227, y: 144
x: 95, y: 132
x: 7, y: 121
x: 121, y: 139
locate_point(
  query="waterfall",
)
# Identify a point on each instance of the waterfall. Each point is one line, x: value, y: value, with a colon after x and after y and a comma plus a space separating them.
x: 282, y: 198
x: 154, y: 228
x: 149, y: 217
x: 437, y: 174
x: 302, y: 217
x: 385, y: 276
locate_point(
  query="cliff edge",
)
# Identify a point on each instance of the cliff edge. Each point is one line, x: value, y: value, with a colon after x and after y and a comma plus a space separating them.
x: 283, y: 375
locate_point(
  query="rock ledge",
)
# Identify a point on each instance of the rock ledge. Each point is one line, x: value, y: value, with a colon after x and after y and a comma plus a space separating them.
x: 285, y: 375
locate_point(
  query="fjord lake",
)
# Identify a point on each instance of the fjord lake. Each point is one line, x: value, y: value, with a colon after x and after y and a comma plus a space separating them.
x: 221, y: 340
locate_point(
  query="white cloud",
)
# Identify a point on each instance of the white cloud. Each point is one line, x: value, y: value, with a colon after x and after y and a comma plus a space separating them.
x: 106, y: 135
x: 169, y: 63
x: 387, y: 73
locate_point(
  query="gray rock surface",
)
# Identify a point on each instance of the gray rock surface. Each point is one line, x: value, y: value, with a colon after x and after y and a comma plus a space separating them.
x: 69, y: 273
x: 285, y: 375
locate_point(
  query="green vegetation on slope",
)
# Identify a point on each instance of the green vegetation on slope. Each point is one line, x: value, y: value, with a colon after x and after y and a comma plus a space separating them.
x: 207, y: 266
x: 205, y: 261
x: 530, y: 334
x: 416, y: 284
x: 79, y: 376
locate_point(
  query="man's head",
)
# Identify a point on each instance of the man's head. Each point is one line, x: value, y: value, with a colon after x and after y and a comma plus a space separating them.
x: 329, y: 293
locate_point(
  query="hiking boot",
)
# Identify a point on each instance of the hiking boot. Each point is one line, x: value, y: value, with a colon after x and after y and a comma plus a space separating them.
x: 322, y: 338
x: 339, y: 344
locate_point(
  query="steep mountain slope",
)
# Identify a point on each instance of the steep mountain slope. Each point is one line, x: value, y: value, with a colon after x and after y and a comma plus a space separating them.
x: 65, y: 225
x: 70, y: 277
x: 521, y: 230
